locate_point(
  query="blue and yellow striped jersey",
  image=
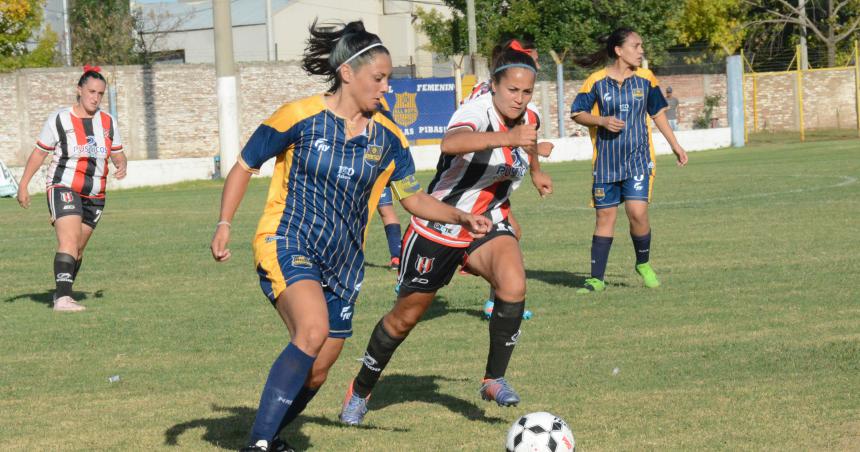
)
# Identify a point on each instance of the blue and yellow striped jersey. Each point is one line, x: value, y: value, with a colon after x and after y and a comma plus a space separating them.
x: 628, y: 153
x: 324, y: 186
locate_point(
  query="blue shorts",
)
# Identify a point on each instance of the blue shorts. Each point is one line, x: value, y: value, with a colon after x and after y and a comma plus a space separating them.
x: 385, y: 199
x: 610, y: 194
x: 279, y: 268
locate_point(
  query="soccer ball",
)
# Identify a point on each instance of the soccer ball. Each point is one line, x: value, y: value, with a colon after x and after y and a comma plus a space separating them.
x: 540, y: 432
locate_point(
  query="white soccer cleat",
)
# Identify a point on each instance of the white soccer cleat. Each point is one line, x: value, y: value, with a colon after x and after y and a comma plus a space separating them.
x: 67, y: 304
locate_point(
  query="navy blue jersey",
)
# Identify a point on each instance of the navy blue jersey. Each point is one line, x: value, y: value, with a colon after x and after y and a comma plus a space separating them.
x: 621, y: 155
x: 324, y: 186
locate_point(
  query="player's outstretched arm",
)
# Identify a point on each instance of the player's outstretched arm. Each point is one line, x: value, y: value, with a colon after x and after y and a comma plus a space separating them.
x: 664, y: 127
x: 464, y: 140
x: 37, y: 157
x: 427, y: 207
x: 234, y: 190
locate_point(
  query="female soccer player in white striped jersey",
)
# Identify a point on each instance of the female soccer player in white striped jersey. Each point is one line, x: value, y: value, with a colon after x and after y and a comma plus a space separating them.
x: 615, y: 103
x: 485, y: 155
x: 335, y: 152
x: 80, y: 139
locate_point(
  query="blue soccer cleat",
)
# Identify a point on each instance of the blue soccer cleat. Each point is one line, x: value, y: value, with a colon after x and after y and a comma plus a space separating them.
x: 354, y: 407
x: 498, y: 390
x: 488, y: 309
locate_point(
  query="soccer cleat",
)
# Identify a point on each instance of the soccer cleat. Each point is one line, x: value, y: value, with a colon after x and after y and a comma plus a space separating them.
x: 592, y: 285
x: 260, y: 446
x: 394, y: 265
x: 648, y: 275
x: 67, y: 304
x: 499, y: 391
x: 488, y: 309
x: 354, y: 407
x: 279, y: 445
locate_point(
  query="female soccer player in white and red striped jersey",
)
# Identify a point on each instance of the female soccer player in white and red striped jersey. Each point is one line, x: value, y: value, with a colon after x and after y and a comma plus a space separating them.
x: 485, y: 155
x: 81, y: 139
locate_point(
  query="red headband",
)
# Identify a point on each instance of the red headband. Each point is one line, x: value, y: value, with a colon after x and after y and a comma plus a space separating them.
x: 88, y: 68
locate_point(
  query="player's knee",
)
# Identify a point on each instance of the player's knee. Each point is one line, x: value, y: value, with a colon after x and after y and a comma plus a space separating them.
x: 311, y: 338
x: 511, y: 290
x: 400, y: 323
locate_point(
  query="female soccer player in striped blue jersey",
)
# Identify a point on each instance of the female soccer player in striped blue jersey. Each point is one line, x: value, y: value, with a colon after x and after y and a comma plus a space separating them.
x: 485, y: 155
x: 615, y: 103
x: 81, y: 139
x: 334, y: 154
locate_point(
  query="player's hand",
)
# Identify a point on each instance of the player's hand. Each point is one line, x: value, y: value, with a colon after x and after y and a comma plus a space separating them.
x: 121, y: 168
x: 612, y: 124
x: 23, y: 196
x: 542, y: 182
x: 522, y: 135
x: 681, y: 155
x: 219, y: 243
x: 477, y: 225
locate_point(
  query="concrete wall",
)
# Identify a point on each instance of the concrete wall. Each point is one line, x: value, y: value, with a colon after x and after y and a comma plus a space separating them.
x: 143, y: 173
x: 249, y: 44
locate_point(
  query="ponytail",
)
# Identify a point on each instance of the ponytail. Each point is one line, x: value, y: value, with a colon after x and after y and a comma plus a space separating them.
x: 328, y: 50
x: 607, y: 44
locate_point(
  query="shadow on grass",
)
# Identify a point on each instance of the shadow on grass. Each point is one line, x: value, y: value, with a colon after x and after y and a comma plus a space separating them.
x: 396, y: 389
x: 231, y: 430
x: 47, y: 297
x: 558, y: 278
x: 441, y: 307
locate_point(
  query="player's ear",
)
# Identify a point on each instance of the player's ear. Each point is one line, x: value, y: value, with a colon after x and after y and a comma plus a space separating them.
x: 346, y: 73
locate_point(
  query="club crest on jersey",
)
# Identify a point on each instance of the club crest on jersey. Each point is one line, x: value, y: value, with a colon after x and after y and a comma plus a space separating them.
x: 599, y: 193
x: 373, y: 155
x: 638, y: 93
x: 405, y: 109
x: 300, y: 261
x: 423, y: 264
x: 66, y: 197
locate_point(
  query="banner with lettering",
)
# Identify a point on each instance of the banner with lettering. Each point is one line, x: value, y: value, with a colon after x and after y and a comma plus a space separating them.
x: 422, y: 106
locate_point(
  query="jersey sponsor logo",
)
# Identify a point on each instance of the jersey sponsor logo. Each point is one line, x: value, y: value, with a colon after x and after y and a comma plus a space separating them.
x: 624, y: 107
x: 638, y: 93
x: 370, y: 362
x: 424, y: 264
x: 321, y: 144
x: 443, y: 228
x: 637, y: 185
x: 599, y: 193
x: 300, y: 261
x: 91, y: 149
x: 405, y: 108
x: 346, y: 312
x: 373, y: 155
x: 66, y: 196
x: 517, y: 168
x: 345, y: 172
x: 607, y: 98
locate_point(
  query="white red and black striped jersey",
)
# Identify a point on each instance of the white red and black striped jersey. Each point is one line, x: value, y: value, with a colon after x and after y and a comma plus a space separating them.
x: 477, y: 182
x: 81, y: 147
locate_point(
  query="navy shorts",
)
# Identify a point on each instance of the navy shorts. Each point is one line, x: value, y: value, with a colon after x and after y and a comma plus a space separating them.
x: 279, y: 268
x: 385, y: 199
x: 610, y: 194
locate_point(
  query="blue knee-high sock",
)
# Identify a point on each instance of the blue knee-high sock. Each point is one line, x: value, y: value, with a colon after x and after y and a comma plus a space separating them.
x: 299, y: 403
x: 286, y: 378
x: 392, y: 233
x: 642, y: 247
x: 599, y: 255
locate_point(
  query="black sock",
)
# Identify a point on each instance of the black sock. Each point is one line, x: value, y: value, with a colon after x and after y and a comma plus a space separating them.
x: 64, y: 274
x: 77, y: 268
x: 299, y: 403
x: 599, y: 255
x: 504, y: 332
x: 380, y: 348
x: 642, y: 247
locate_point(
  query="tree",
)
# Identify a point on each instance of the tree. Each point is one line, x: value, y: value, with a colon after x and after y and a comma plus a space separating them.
x: 102, y: 32
x: 833, y: 23
x: 718, y: 23
x: 19, y: 19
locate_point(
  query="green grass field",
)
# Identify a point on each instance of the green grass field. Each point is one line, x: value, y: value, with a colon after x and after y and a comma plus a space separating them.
x: 752, y: 342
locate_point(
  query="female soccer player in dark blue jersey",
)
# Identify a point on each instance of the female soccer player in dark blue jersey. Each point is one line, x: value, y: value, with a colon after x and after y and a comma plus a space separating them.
x: 615, y: 103
x: 485, y: 156
x: 334, y: 155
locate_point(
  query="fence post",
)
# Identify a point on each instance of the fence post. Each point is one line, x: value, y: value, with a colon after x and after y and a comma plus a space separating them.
x: 559, y: 91
x: 744, y: 95
x: 734, y: 79
x: 800, y: 94
x: 857, y: 84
